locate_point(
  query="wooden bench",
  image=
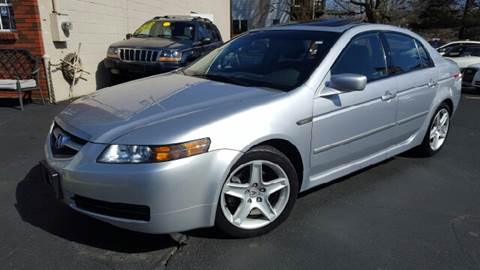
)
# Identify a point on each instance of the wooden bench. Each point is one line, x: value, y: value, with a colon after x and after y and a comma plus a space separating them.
x: 19, y: 73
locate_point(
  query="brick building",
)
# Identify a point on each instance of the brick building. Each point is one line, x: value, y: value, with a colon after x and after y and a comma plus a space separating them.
x: 21, y: 28
x: 96, y: 24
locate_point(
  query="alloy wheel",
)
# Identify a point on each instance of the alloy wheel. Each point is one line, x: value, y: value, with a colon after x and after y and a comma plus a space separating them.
x: 439, y: 129
x: 255, y: 194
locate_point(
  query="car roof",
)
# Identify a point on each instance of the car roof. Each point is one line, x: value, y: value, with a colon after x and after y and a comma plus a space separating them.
x: 464, y: 41
x: 338, y: 26
x: 333, y: 25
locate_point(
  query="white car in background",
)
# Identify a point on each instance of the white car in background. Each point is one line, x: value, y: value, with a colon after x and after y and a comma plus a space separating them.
x: 471, y: 76
x: 464, y: 56
x: 444, y: 48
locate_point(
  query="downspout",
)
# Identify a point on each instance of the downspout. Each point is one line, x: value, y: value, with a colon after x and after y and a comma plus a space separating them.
x: 54, y: 6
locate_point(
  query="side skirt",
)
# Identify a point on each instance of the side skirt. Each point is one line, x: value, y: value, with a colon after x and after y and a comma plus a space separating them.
x: 337, y: 172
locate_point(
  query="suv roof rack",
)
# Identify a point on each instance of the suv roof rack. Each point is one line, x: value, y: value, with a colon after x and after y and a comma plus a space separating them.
x: 182, y: 17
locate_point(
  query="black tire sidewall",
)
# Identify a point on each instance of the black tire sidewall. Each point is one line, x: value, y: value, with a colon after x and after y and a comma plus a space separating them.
x: 270, y: 154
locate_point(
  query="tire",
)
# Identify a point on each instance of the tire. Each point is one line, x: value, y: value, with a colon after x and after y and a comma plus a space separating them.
x: 427, y: 148
x: 248, y: 205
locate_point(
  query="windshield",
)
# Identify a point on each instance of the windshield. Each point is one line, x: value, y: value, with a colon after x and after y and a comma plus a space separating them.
x: 166, y: 29
x: 279, y: 59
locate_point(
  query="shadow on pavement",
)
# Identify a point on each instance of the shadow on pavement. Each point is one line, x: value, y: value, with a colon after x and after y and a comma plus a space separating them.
x: 471, y: 90
x: 36, y: 205
x: 214, y: 233
x: 14, y: 104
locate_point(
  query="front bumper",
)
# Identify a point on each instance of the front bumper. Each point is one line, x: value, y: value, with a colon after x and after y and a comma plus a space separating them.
x: 180, y: 195
x: 119, y: 66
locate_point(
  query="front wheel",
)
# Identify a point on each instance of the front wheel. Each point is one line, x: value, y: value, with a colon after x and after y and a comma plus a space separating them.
x: 258, y: 194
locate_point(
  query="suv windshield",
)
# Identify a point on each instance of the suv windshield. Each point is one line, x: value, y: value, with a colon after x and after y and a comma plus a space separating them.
x: 279, y: 59
x: 166, y: 29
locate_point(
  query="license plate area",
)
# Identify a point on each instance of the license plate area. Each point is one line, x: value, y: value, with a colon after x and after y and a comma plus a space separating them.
x: 52, y: 178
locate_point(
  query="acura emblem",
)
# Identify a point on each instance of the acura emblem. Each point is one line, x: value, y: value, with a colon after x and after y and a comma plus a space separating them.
x: 61, y: 140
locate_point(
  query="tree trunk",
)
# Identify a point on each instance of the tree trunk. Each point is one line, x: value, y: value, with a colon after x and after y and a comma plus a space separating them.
x: 468, y: 5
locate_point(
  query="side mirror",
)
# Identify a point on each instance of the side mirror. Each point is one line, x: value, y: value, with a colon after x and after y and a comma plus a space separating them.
x: 128, y: 36
x: 206, y: 40
x: 348, y: 82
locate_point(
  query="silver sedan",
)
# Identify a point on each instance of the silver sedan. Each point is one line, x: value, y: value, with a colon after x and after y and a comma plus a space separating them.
x: 232, y: 139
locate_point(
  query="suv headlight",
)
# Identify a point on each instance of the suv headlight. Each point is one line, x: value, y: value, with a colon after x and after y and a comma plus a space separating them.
x: 112, y: 52
x: 148, y: 154
x: 170, y: 56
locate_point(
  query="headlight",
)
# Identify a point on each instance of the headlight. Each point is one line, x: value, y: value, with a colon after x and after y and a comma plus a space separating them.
x: 147, y: 154
x: 112, y: 52
x: 170, y: 56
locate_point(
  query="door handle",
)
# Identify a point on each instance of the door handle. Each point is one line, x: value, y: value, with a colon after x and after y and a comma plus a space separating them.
x: 388, y: 96
x: 432, y: 84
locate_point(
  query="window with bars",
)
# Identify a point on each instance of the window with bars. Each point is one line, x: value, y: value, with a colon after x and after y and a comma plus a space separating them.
x: 239, y: 26
x: 7, y: 20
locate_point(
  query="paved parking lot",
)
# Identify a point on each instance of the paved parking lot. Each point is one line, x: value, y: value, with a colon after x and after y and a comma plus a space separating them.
x: 405, y: 213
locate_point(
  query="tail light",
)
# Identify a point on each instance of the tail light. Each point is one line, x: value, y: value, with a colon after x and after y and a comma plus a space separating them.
x: 457, y: 76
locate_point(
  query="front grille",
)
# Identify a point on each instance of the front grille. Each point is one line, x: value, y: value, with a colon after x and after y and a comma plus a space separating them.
x: 119, y: 210
x: 64, y: 144
x: 468, y: 74
x: 139, y: 55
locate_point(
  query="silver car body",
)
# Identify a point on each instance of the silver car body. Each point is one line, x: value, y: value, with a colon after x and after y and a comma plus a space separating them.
x: 333, y: 134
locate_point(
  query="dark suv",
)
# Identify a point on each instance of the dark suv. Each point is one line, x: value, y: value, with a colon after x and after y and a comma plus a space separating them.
x: 163, y: 44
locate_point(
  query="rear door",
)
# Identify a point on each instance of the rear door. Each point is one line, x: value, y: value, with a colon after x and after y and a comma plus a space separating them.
x: 349, y: 126
x: 417, y: 79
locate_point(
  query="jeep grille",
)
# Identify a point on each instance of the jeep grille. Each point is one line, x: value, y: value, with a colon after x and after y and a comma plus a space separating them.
x: 139, y: 55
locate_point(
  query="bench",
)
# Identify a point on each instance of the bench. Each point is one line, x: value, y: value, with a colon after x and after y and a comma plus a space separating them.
x: 19, y: 73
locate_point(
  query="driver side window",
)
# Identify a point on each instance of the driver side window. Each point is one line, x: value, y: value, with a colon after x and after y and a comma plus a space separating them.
x: 204, y: 32
x: 364, y: 55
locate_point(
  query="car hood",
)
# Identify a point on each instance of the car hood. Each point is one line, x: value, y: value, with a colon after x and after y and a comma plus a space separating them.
x: 152, y: 43
x: 115, y: 111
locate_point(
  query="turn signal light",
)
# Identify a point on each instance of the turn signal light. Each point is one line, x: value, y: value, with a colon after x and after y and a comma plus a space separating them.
x: 176, y: 151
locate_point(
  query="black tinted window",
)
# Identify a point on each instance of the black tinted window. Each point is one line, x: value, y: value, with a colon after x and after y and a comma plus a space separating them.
x: 403, y: 52
x: 462, y: 51
x: 204, y: 32
x: 214, y: 32
x: 364, y: 55
x: 426, y: 60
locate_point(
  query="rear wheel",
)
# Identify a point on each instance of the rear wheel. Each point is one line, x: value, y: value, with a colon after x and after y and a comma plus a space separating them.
x: 437, y: 132
x: 258, y: 194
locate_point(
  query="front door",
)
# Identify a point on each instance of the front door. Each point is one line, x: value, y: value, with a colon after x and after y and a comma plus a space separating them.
x: 351, y: 125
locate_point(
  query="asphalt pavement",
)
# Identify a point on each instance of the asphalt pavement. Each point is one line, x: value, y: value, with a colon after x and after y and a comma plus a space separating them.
x: 405, y: 213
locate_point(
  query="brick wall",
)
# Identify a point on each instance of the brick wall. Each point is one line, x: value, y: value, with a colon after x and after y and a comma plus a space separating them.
x: 28, y: 36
